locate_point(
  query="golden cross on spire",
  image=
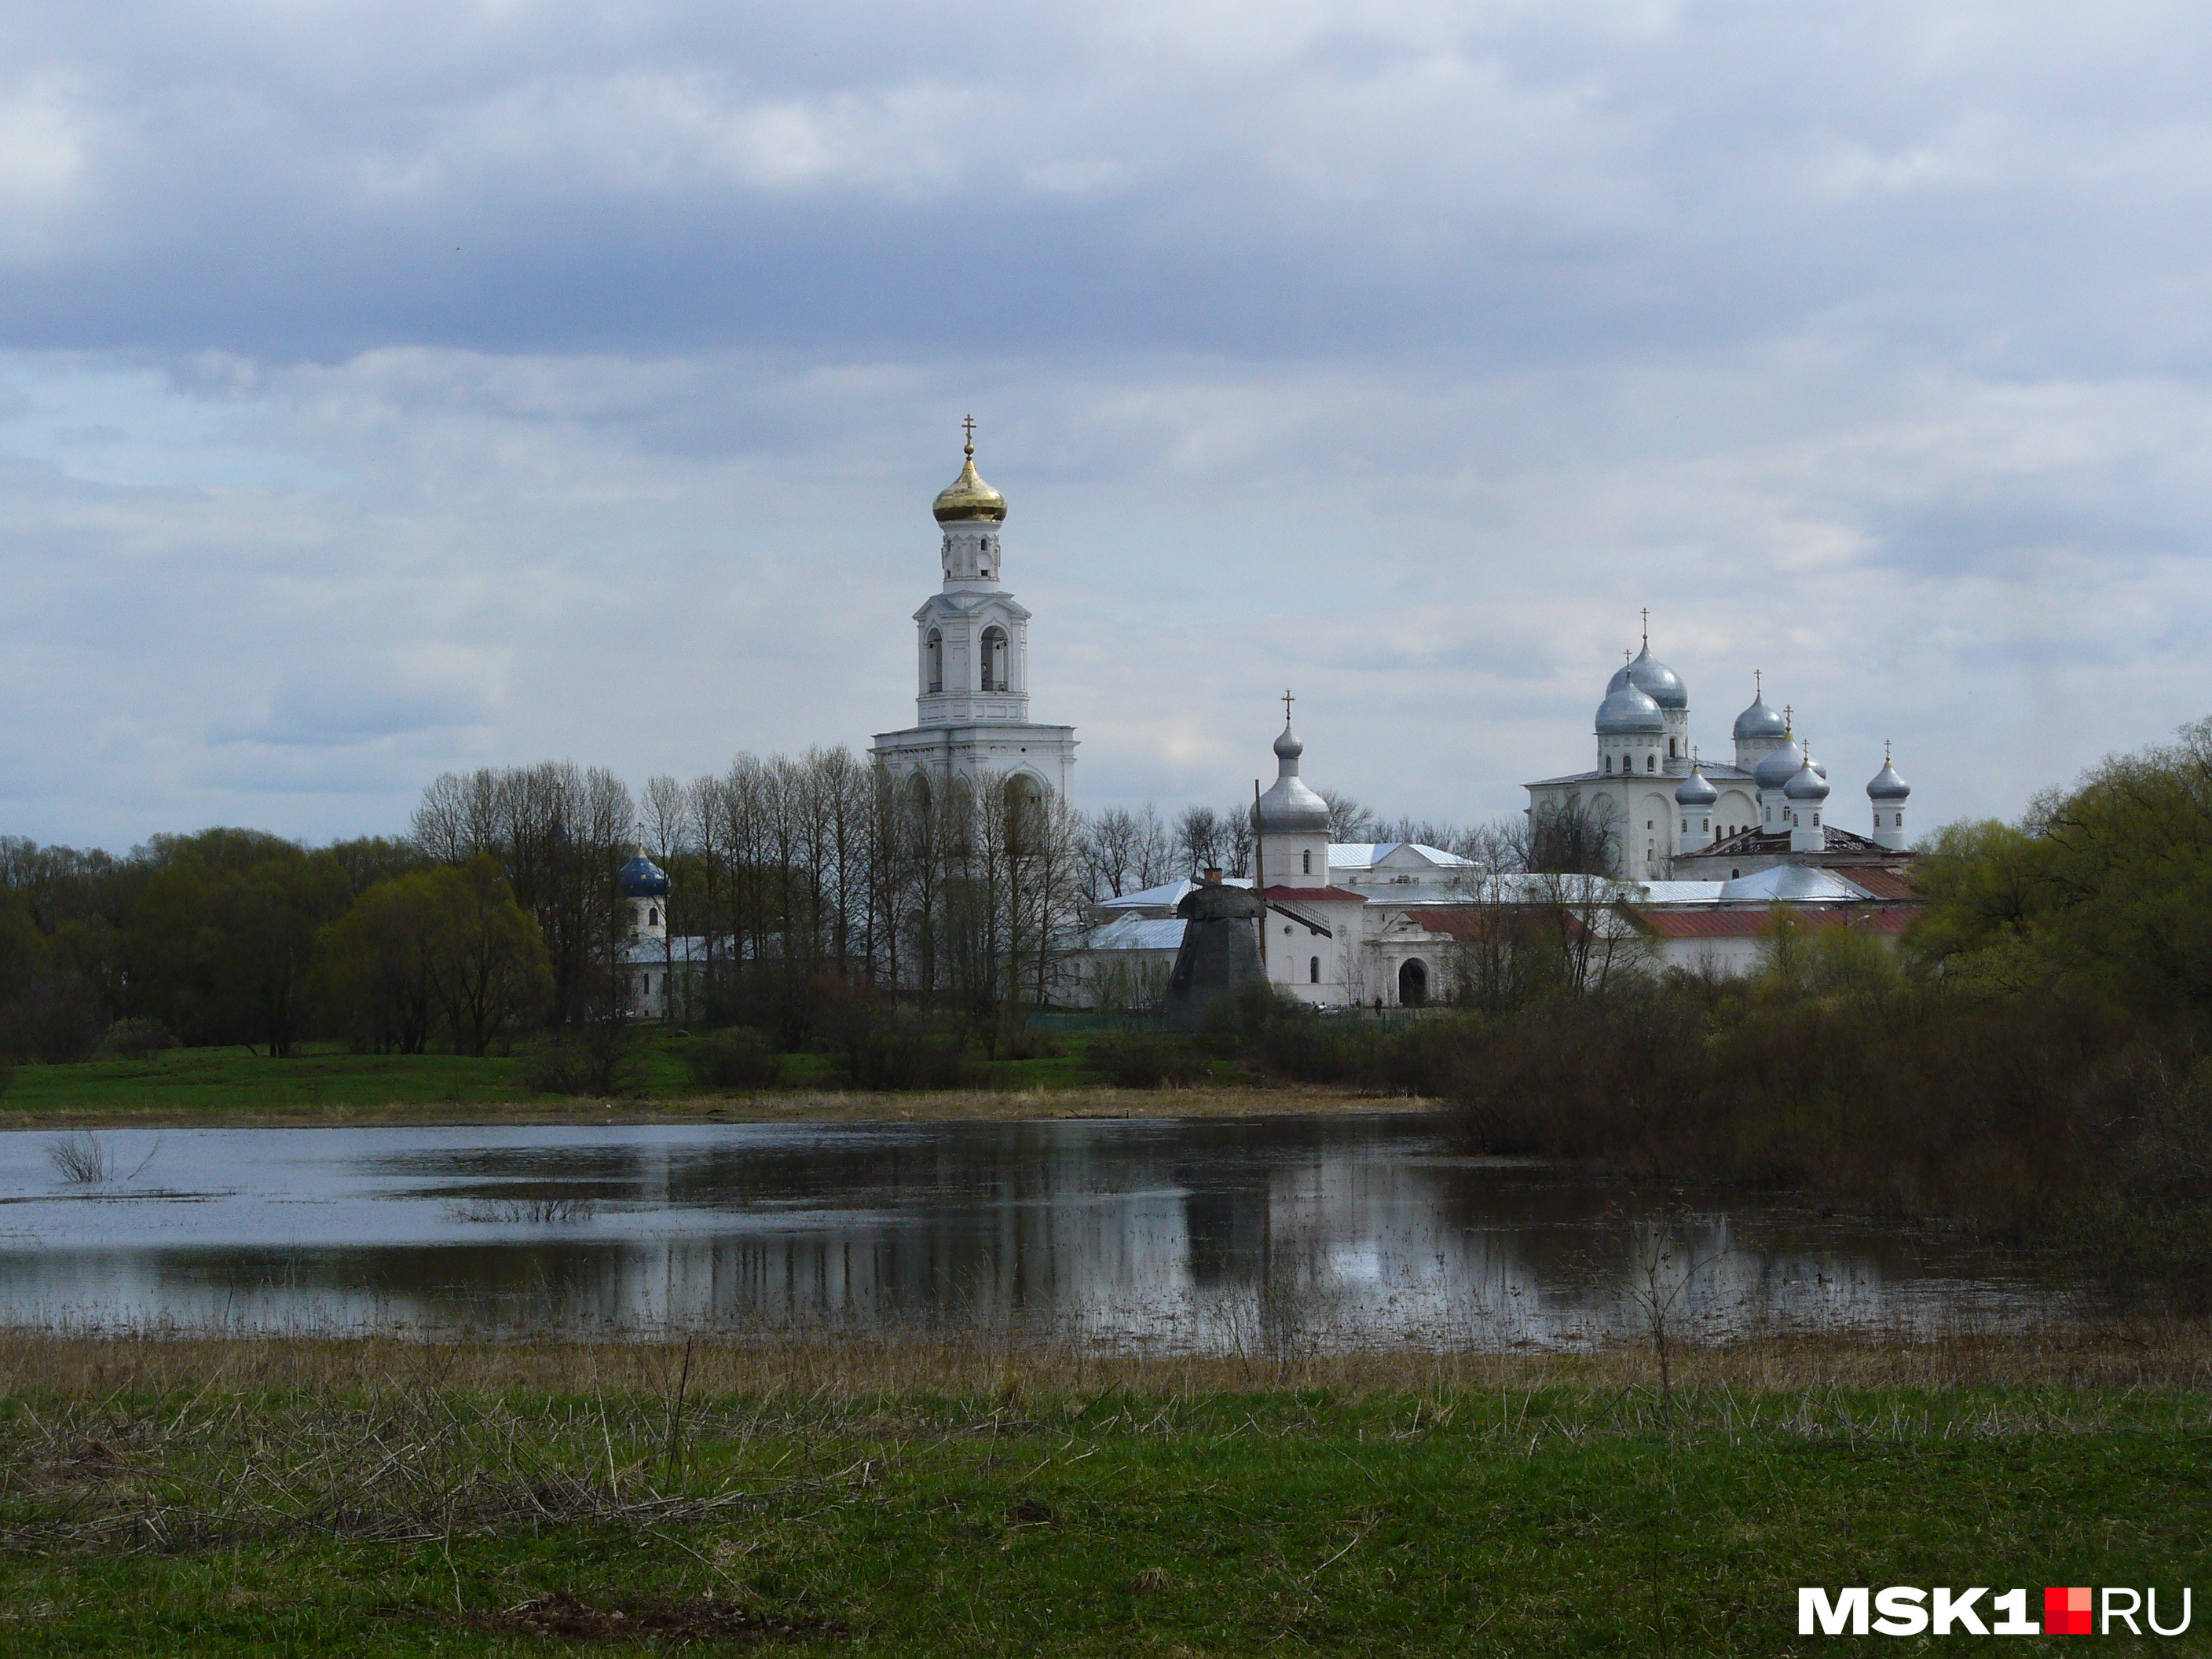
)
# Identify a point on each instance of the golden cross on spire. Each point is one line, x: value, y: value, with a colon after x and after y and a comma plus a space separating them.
x: 1287, y: 707
x: 967, y: 425
x: 1788, y: 721
x: 1647, y: 628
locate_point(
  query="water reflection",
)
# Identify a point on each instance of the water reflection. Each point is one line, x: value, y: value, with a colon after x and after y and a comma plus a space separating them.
x: 1214, y: 1234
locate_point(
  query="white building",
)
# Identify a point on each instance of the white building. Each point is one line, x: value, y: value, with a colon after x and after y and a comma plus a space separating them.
x: 1384, y: 924
x: 972, y: 661
x: 1670, y: 812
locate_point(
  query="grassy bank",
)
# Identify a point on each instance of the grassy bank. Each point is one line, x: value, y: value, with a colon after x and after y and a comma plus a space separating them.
x: 324, y: 1084
x: 377, y: 1499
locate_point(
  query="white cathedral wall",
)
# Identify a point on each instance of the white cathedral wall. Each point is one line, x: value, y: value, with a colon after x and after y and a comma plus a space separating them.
x: 1735, y: 809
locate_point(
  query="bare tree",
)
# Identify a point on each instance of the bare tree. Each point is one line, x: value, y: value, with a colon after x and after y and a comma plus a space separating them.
x: 1348, y: 821
x: 1573, y: 837
x: 1152, y: 852
x: 1198, y: 833
x: 1237, y: 840
x: 1110, y: 844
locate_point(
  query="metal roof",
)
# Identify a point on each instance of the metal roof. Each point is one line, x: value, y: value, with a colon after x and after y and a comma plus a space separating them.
x: 1136, y: 933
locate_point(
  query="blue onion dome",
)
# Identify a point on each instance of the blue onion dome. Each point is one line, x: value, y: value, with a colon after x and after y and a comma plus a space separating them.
x: 1291, y: 806
x: 1779, y: 767
x: 1759, y: 721
x: 1695, y: 790
x: 1628, y: 713
x: 1658, y: 682
x: 641, y: 878
x: 1886, y: 784
x: 1807, y: 785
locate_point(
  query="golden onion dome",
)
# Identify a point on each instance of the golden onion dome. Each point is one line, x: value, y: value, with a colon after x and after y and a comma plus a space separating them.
x: 968, y: 498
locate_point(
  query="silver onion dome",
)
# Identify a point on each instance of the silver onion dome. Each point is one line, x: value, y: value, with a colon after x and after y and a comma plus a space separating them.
x: 1759, y: 721
x: 1658, y: 682
x: 1695, y: 790
x: 1779, y: 767
x: 1628, y: 712
x: 1808, y: 784
x: 1886, y: 785
x: 1291, y: 807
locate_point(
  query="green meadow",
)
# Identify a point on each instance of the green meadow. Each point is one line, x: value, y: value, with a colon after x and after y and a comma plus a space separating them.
x: 366, y: 1498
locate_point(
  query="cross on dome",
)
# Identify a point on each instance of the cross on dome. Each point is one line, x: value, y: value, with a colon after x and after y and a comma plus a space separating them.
x: 1287, y: 707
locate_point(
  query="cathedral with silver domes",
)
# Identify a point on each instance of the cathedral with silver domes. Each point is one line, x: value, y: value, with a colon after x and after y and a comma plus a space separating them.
x: 1668, y: 813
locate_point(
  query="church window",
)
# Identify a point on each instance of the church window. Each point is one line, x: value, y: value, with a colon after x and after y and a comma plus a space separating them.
x: 1651, y: 761
x: 1313, y: 970
x: 1670, y: 748
x: 649, y: 985
x: 995, y: 658
x: 935, y: 660
x: 653, y: 918
x: 1308, y: 857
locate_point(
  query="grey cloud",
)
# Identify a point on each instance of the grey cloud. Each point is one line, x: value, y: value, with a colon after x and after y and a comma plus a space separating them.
x: 500, y: 382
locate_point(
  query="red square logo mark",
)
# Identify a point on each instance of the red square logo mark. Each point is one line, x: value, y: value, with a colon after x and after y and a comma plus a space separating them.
x: 2066, y: 1612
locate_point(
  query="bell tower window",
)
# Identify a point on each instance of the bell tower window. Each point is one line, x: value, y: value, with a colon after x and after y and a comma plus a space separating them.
x: 933, y: 661
x: 995, y: 658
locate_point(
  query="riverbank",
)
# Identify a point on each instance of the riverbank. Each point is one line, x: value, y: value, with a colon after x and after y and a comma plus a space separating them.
x: 924, y: 1496
x: 774, y: 1106
x: 324, y: 1086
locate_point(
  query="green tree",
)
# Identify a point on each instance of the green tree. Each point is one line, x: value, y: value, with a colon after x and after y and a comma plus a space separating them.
x: 490, y: 968
x: 375, y: 977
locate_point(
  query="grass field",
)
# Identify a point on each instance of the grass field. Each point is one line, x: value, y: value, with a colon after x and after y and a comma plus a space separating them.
x: 373, y: 1498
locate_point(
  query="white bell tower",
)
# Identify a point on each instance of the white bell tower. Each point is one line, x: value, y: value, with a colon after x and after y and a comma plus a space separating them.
x: 971, y: 658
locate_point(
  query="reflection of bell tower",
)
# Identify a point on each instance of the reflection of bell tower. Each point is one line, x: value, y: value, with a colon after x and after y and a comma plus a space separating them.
x: 972, y: 694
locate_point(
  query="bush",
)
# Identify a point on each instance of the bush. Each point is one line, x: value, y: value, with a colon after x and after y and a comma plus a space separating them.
x: 1013, y: 1041
x: 739, y: 1058
x: 905, y: 1052
x: 1142, y: 1061
x: 602, y: 1059
x: 135, y: 1039
x: 56, y: 1021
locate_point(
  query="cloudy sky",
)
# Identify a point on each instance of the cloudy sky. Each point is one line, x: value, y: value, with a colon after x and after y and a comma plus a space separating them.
x: 391, y: 386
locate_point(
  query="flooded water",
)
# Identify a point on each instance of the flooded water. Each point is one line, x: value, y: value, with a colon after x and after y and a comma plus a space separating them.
x: 1204, y: 1234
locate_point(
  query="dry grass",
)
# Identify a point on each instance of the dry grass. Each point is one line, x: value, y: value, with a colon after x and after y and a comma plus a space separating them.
x: 2163, y: 1356
x: 811, y: 1105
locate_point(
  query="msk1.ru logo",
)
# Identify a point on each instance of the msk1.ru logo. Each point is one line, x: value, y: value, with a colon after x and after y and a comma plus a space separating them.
x: 1907, y: 1610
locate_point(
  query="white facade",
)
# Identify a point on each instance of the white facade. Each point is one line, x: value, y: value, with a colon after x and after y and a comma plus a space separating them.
x: 971, y: 662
